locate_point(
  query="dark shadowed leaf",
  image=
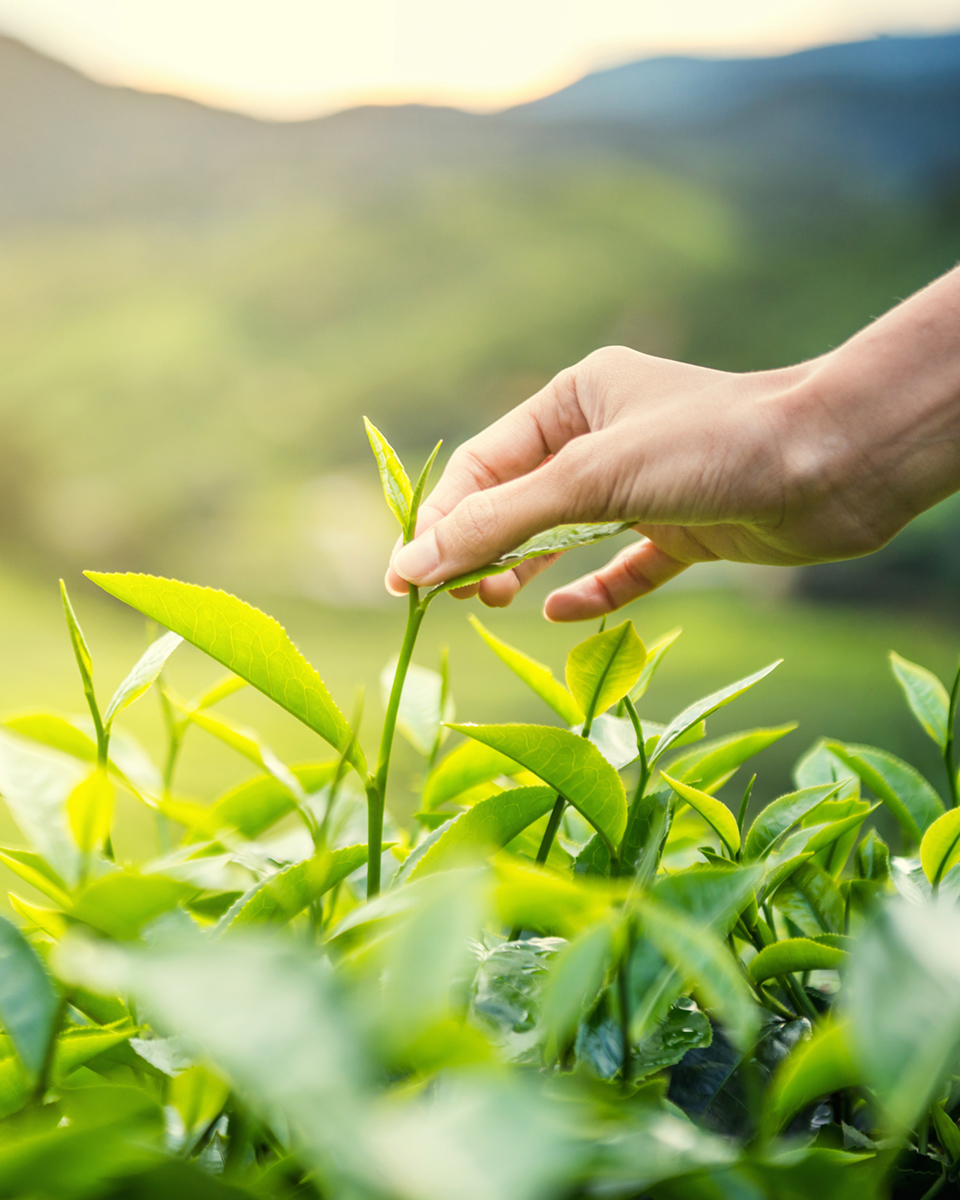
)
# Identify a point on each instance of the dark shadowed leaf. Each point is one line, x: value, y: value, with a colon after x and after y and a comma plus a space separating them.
x: 28, y: 1000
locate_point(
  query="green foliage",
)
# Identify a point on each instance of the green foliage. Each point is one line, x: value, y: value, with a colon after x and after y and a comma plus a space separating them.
x: 577, y: 972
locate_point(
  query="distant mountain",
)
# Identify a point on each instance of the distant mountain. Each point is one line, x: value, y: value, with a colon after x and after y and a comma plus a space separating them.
x: 881, y: 115
x: 884, y: 112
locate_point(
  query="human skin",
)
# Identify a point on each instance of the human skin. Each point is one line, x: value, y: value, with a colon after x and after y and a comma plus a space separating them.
x: 812, y: 463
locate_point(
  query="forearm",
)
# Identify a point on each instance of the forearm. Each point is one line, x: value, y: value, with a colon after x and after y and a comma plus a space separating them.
x: 886, y: 408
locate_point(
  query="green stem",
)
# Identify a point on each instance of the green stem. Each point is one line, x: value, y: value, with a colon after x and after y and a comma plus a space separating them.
x: 948, y: 744
x: 46, y: 1068
x: 551, y: 831
x: 377, y: 786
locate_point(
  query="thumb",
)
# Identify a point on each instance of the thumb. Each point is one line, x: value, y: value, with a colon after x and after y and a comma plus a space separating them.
x: 486, y: 524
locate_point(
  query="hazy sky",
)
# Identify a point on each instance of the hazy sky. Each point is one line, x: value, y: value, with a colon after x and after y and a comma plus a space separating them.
x: 303, y: 57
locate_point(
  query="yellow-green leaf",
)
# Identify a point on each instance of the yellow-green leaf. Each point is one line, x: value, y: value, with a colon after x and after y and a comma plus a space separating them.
x: 570, y: 764
x: 795, y: 954
x: 713, y: 811
x: 940, y: 848
x: 90, y: 809
x: 396, y: 483
x: 926, y: 696
x: 535, y: 675
x: 144, y: 673
x: 245, y: 641
x: 901, y: 787
x: 470, y: 764
x: 602, y: 669
x: 279, y: 898
x: 655, y: 653
x: 122, y: 903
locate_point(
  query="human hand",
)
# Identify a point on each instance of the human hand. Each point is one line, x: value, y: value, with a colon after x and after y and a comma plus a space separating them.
x: 779, y: 467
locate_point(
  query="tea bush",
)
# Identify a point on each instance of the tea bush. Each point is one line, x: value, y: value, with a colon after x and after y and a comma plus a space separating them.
x: 583, y: 975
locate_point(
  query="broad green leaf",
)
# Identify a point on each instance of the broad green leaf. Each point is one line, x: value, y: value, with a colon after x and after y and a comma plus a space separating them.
x: 252, y: 807
x: 198, y: 1095
x: 701, y: 958
x: 35, y: 783
x: 259, y: 1009
x: 535, y: 675
x: 530, y: 896
x: 35, y: 870
x: 90, y: 810
x: 490, y: 824
x: 713, y: 811
x: 782, y: 815
x: 143, y: 675
x: 245, y: 641
x: 655, y: 653
x: 683, y: 1028
x: 418, y: 491
x: 422, y: 710
x: 464, y: 768
x: 940, y: 848
x: 901, y: 999
x: 28, y: 1000
x: 948, y: 1135
x: 279, y: 898
x: 873, y: 858
x: 50, y: 729
x: 701, y: 709
x: 122, y: 903
x: 397, y: 488
x: 834, y: 839
x: 48, y: 920
x: 901, y: 787
x: 713, y: 763
x: 795, y: 954
x: 713, y: 895
x: 615, y: 738
x: 568, y: 763
x: 926, y: 696
x: 812, y: 900
x: 603, y: 669
x: 575, y: 977
x: 248, y: 743
x: 553, y: 541
x: 818, y: 765
x: 818, y: 1067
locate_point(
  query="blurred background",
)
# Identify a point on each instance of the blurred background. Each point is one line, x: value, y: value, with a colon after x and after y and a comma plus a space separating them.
x: 227, y: 230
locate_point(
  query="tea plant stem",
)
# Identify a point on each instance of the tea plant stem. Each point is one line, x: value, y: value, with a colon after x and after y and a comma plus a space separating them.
x: 948, y: 742
x: 377, y: 786
x: 551, y: 831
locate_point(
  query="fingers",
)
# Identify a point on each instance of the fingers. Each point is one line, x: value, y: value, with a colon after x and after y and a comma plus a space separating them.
x: 486, y: 524
x: 634, y: 572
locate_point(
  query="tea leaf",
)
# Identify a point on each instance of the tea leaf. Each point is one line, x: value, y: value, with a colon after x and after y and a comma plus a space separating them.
x: 714, y: 812
x: 252, y: 807
x: 782, y: 815
x: 530, y: 896
x: 901, y: 787
x: 279, y: 898
x: 714, y: 895
x: 78, y: 641
x: 940, y: 848
x: 535, y: 675
x: 575, y: 976
x: 926, y: 696
x: 948, y: 1135
x: 418, y: 493
x: 37, y: 872
x: 90, y: 810
x: 245, y: 641
x: 219, y: 691
x: 553, y: 541
x: 615, y: 738
x: 54, y: 731
x: 144, y: 673
x: 655, y: 653
x: 490, y: 824
x: 795, y: 954
x: 464, y: 768
x: 48, y: 920
x: 35, y: 784
x: 819, y: 1066
x: 902, y: 1001
x: 122, y: 903
x: 198, y: 1096
x: 569, y: 764
x: 603, y: 669
x: 702, y: 959
x: 711, y: 765
x: 28, y: 1001
x: 812, y: 900
x: 396, y: 483
x: 703, y: 708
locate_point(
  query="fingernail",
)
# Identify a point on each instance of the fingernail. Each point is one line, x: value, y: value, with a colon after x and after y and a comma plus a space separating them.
x: 392, y: 590
x: 419, y: 559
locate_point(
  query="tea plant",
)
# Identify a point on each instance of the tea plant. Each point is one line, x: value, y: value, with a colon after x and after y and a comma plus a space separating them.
x: 583, y: 974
